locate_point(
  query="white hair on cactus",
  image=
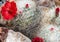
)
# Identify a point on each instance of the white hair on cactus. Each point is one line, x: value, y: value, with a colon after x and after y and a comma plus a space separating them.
x: 48, y: 15
x: 51, y: 13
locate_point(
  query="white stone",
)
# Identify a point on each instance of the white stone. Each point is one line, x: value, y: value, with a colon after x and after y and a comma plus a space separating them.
x: 16, y: 37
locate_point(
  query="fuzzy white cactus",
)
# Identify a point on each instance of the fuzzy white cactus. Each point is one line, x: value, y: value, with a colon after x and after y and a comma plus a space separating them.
x: 26, y: 12
x: 50, y: 33
x: 46, y: 3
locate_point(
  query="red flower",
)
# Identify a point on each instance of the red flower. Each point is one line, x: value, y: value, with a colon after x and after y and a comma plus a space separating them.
x: 27, y: 6
x: 57, y: 11
x: 9, y: 10
x: 37, y: 39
